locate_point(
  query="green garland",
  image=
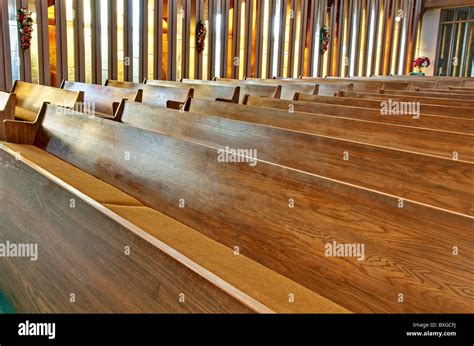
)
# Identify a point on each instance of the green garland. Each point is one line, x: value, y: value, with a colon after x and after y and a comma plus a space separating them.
x: 324, y: 39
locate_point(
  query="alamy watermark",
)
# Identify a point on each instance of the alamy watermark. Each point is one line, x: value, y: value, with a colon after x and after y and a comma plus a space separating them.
x: 9, y: 249
x: 82, y: 107
x: 237, y: 156
x: 392, y: 107
x: 336, y: 249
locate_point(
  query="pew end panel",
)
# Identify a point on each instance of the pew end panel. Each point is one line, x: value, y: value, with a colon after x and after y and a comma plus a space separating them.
x: 7, y: 110
x: 30, y: 98
x: 24, y: 132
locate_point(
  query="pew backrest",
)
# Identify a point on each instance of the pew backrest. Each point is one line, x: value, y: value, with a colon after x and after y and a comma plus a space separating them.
x: 319, y: 157
x: 444, y: 84
x: 156, y: 95
x: 458, y: 112
x: 406, y: 115
x: 440, y: 94
x: 331, y: 89
x: 30, y: 98
x: 205, y: 91
x: 103, y: 100
x: 421, y: 140
x: 395, y: 86
x: 412, y: 98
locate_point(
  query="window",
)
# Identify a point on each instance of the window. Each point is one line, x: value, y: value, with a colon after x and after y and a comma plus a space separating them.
x: 455, y: 55
x: 15, y: 52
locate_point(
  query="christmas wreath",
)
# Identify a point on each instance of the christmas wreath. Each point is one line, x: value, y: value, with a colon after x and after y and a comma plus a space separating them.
x: 201, y: 32
x: 25, y: 27
x: 324, y: 39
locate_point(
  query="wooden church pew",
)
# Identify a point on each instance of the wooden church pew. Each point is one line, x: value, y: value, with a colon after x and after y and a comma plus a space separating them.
x: 30, y: 98
x: 422, y: 100
x: 395, y: 86
x: 458, y: 112
x: 81, y: 252
x: 444, y: 84
x: 449, y: 91
x: 7, y: 110
x: 439, y: 123
x: 359, y: 86
x: 443, y: 186
x: 204, y: 91
x: 419, y: 140
x: 123, y: 177
x: 288, y: 90
x: 103, y: 100
x: 331, y: 89
x: 263, y: 227
x: 273, y: 91
x: 155, y: 95
x: 445, y: 95
x: 455, y: 88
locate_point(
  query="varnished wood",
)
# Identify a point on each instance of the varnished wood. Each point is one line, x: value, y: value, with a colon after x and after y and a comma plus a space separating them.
x: 425, y: 141
x: 435, y: 122
x: 245, y: 88
x: 154, y: 94
x: 442, y: 185
x: 30, y: 98
x: 81, y: 252
x: 204, y: 91
x: 434, y: 94
x: 23, y: 132
x: 331, y: 89
x: 103, y: 98
x: 457, y: 112
x: 422, y: 100
x: 288, y: 90
x: 7, y: 110
x: 290, y: 241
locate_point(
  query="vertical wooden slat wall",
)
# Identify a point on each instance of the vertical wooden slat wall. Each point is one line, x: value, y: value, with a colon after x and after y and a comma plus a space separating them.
x: 158, y: 41
x: 112, y: 57
x: 384, y: 44
x: 172, y: 38
x: 212, y: 38
x: 96, y: 43
x: 143, y: 44
x: 61, y: 41
x: 5, y: 57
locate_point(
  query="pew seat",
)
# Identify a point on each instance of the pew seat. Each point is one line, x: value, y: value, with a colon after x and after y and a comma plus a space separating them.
x: 30, y: 98
x: 7, y: 110
x: 156, y: 95
x: 102, y: 100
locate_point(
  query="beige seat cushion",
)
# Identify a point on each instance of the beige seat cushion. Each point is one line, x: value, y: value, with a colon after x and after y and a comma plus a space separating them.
x: 261, y: 283
x: 82, y: 181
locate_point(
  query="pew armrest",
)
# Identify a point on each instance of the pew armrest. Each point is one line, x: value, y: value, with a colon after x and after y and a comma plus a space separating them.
x: 179, y: 105
x: 20, y: 132
x: 24, y: 132
x: 7, y: 113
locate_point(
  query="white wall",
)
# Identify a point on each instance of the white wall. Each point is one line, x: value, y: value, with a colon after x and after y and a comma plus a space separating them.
x: 429, y: 37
